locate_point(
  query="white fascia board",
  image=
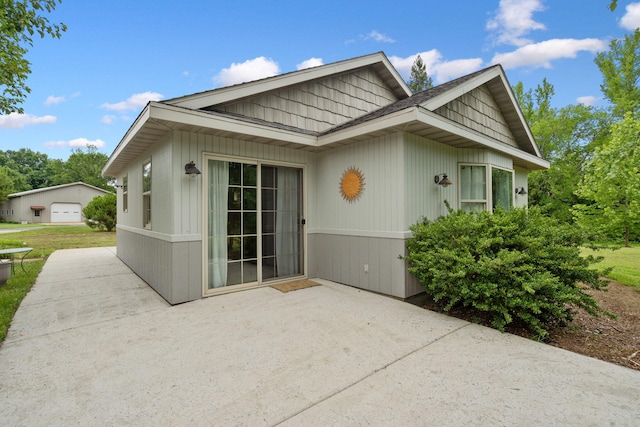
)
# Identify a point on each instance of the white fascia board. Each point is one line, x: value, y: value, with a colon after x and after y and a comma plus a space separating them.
x: 227, y: 124
x: 140, y: 121
x: 433, y: 119
x: 404, y: 117
x: 397, y: 118
x: 458, y: 91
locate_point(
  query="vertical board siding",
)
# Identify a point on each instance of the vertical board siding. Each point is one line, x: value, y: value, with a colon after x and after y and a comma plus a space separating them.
x: 424, y: 159
x: 500, y: 160
x: 188, y: 146
x: 317, y: 106
x: 379, y: 208
x: 521, y: 180
x: 173, y: 270
x: 478, y: 110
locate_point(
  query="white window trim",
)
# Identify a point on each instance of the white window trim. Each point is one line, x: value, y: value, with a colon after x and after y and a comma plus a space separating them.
x: 488, y: 201
x: 147, y: 193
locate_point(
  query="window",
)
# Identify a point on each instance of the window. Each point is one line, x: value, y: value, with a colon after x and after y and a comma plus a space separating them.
x: 125, y: 193
x: 501, y: 189
x: 473, y: 188
x: 146, y: 194
x: 36, y: 213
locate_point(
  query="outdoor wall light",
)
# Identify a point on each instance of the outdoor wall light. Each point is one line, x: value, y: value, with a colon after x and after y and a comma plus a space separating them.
x: 442, y: 179
x: 191, y: 169
x: 521, y: 191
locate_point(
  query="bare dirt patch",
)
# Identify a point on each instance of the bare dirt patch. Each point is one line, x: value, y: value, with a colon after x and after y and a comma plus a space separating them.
x: 612, y: 340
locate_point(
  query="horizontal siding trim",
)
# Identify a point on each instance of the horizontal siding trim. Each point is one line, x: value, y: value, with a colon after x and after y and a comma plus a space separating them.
x: 173, y: 238
x: 361, y: 233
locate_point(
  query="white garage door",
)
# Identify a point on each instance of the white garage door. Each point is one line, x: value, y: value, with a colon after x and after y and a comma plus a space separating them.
x: 66, y: 212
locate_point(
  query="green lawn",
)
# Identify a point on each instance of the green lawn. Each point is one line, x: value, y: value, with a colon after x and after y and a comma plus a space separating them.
x: 43, y: 241
x: 625, y: 263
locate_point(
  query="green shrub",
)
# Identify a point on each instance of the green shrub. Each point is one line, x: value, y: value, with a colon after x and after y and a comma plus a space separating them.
x: 517, y: 266
x: 100, y: 212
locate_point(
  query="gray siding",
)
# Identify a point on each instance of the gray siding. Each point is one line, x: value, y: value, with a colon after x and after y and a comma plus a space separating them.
x: 423, y: 160
x: 317, y: 106
x: 478, y: 110
x: 173, y: 269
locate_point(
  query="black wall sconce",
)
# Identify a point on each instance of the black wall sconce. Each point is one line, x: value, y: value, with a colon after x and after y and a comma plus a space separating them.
x: 191, y: 169
x: 521, y: 191
x: 442, y: 179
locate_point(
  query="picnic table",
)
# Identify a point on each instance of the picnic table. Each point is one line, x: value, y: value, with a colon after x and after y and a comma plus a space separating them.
x: 12, y: 253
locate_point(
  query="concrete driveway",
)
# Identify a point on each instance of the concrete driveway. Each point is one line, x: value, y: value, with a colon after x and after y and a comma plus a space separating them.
x: 92, y: 344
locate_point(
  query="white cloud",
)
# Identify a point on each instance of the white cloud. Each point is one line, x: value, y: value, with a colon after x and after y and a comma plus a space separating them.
x: 18, y: 121
x: 249, y: 70
x: 541, y: 54
x: 446, y: 71
x: 379, y: 37
x: 440, y: 71
x: 108, y: 119
x: 631, y: 19
x: 513, y: 20
x: 134, y: 102
x: 311, y: 62
x: 75, y: 143
x: 588, y: 100
x: 54, y: 100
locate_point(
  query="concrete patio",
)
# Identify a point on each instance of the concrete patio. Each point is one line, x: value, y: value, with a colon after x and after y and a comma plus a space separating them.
x: 92, y: 344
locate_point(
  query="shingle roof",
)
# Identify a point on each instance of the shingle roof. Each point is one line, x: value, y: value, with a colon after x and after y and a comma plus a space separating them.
x: 412, y: 101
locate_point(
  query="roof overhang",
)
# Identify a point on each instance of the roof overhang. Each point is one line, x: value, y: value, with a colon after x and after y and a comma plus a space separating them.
x: 157, y: 119
x: 422, y: 122
x: 37, y: 208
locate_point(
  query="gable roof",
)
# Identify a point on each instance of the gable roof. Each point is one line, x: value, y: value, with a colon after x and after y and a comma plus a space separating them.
x: 410, y: 113
x: 430, y: 100
x: 55, y: 187
x: 378, y: 61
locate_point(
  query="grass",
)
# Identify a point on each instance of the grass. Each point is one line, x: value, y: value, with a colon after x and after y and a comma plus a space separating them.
x: 7, y: 225
x: 625, y: 263
x: 44, y: 242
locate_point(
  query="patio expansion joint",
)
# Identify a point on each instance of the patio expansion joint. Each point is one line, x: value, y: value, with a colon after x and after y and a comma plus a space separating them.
x: 374, y: 372
x: 84, y: 325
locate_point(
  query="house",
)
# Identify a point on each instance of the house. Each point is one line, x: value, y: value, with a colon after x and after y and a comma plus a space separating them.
x: 57, y: 204
x: 316, y: 173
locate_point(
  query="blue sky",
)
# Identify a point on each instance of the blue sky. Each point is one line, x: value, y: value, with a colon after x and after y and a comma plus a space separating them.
x: 89, y: 86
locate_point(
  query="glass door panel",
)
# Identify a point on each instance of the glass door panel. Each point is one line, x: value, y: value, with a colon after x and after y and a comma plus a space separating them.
x: 251, y: 240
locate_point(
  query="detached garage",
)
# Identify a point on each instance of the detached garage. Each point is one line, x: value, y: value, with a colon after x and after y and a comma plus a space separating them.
x: 58, y: 204
x: 66, y: 212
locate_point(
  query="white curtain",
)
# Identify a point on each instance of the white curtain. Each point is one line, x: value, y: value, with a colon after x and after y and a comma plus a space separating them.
x: 287, y: 235
x: 473, y: 186
x: 218, y: 194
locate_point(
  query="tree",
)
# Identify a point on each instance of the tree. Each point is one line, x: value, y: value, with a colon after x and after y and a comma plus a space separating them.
x: 566, y: 137
x: 19, y: 21
x: 6, y: 184
x: 100, y: 212
x: 612, y: 183
x: 82, y: 165
x: 34, y: 167
x: 620, y: 68
x: 419, y: 80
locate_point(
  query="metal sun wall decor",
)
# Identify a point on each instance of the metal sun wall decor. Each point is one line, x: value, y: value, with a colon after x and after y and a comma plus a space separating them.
x: 352, y: 184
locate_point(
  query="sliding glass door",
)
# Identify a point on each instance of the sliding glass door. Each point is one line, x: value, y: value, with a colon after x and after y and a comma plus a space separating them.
x: 254, y: 223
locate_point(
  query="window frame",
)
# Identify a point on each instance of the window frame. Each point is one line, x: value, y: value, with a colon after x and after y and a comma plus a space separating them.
x: 125, y: 193
x: 147, y: 176
x: 488, y: 202
x: 485, y: 201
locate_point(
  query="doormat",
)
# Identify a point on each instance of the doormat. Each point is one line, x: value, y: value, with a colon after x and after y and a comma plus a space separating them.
x: 295, y: 285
